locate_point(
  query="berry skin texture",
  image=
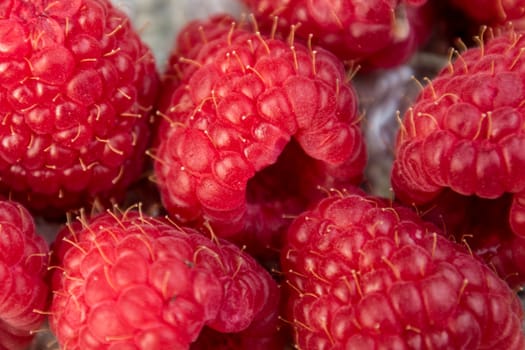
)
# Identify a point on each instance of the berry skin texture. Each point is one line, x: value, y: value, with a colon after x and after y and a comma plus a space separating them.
x: 129, y: 281
x: 465, y: 135
x: 363, y: 274
x: 242, y: 99
x: 493, y: 12
x: 76, y: 88
x: 373, y: 34
x: 23, y: 269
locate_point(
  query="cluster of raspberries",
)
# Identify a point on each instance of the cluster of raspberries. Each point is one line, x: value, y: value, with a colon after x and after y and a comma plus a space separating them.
x: 223, y: 204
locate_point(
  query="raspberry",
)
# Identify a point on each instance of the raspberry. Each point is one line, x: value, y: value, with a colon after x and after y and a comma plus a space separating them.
x: 187, y: 45
x: 492, y: 12
x: 23, y: 266
x: 483, y: 225
x: 375, y: 34
x: 362, y: 273
x: 242, y: 100
x: 76, y: 88
x: 126, y: 280
x: 277, y: 193
x: 464, y: 134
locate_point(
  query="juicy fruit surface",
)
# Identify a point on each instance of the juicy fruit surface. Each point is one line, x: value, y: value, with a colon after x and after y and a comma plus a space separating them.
x: 275, y: 194
x: 363, y: 274
x: 371, y: 33
x: 23, y: 290
x: 465, y: 135
x: 465, y: 130
x: 240, y: 100
x: 76, y: 88
x: 493, y: 12
x: 483, y: 225
x: 128, y: 281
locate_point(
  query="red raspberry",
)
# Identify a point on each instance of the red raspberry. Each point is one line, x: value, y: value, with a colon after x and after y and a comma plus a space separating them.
x: 492, y: 12
x: 129, y: 281
x: 278, y: 193
x: 464, y: 134
x: 23, y: 266
x: 76, y: 88
x: 363, y: 274
x: 375, y: 34
x: 241, y: 99
x: 483, y: 225
x: 187, y: 45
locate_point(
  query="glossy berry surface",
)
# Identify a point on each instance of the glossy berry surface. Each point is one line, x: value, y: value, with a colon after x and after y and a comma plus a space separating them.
x: 76, y: 88
x: 23, y: 267
x: 128, y: 281
x: 241, y: 100
x: 465, y: 135
x: 363, y: 274
x: 373, y: 34
x: 493, y: 12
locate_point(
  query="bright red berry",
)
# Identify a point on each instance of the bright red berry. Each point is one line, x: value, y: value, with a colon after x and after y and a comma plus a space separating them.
x: 23, y: 267
x: 128, y: 281
x: 482, y: 224
x: 364, y: 274
x: 242, y: 99
x: 374, y: 34
x: 465, y: 134
x: 492, y: 12
x: 76, y: 88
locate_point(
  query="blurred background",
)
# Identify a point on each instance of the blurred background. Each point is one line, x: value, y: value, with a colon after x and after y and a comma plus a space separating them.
x: 159, y: 21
